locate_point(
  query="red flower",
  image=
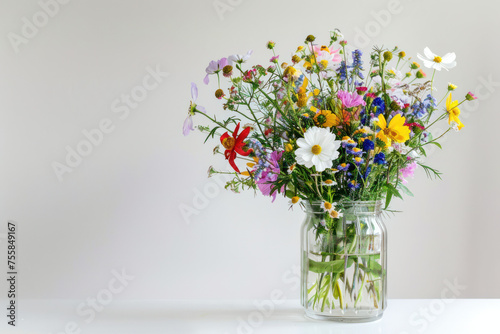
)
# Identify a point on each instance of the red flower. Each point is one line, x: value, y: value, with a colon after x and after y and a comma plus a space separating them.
x: 235, y: 145
x: 413, y: 125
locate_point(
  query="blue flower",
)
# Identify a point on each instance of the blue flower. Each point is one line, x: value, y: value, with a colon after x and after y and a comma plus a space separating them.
x: 299, y: 82
x: 429, y: 102
x: 378, y: 106
x: 368, y: 145
x: 342, y: 70
x: 379, y: 159
x: 368, y: 171
x: 419, y: 110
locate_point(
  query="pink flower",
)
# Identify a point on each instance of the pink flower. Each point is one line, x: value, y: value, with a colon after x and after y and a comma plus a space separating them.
x: 274, y: 59
x: 335, y: 55
x: 407, y: 172
x: 350, y: 100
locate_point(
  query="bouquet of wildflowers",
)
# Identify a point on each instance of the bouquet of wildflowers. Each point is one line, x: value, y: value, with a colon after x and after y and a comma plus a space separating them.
x: 327, y: 127
x: 319, y: 127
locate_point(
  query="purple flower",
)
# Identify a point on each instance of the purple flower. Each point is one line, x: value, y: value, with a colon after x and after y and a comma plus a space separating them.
x: 188, y: 126
x: 343, y: 167
x: 355, y: 151
x: 270, y: 175
x: 350, y: 100
x: 353, y: 185
x: 193, y: 108
x: 214, y: 67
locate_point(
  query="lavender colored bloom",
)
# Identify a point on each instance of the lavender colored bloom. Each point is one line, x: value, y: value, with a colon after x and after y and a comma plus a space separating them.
x: 355, y: 151
x: 379, y: 159
x: 350, y: 100
x: 188, y: 126
x: 188, y: 122
x: 214, y: 67
x: 349, y: 144
x: 343, y: 167
x: 270, y: 175
x: 353, y: 185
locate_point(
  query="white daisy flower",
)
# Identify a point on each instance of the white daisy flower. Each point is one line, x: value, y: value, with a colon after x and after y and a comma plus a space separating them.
x: 294, y: 200
x: 328, y: 183
x: 318, y: 148
x: 326, y: 206
x: 335, y: 214
x: 432, y: 60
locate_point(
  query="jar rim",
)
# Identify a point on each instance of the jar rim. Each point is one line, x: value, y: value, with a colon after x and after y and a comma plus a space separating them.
x: 348, y: 202
x: 314, y: 206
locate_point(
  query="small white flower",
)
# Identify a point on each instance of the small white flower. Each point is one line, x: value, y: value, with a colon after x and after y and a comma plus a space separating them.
x: 432, y: 60
x: 323, y: 223
x: 239, y: 58
x: 318, y: 148
x: 326, y: 206
x: 335, y: 214
x: 294, y: 200
x: 290, y: 169
x: 328, y: 183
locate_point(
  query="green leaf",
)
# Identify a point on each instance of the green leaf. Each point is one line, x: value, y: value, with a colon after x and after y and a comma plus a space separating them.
x: 336, y: 266
x: 405, y: 189
x: 436, y: 143
x: 391, y: 191
x: 372, y: 266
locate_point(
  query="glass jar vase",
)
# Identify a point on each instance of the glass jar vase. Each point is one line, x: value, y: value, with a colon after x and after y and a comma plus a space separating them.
x: 344, y: 262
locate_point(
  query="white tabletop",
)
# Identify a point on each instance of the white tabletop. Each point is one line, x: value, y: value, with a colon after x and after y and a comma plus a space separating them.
x: 403, y: 316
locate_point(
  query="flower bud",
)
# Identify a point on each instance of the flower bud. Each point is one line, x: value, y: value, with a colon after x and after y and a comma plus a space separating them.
x: 387, y: 56
x: 470, y: 96
x: 219, y: 93
x: 227, y: 71
x: 420, y: 74
x: 310, y: 38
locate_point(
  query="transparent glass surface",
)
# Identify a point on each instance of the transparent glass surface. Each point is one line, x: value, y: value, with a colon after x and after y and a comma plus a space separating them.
x: 344, y: 262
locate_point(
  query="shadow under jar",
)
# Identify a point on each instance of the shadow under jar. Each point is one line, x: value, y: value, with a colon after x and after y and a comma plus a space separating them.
x: 344, y: 262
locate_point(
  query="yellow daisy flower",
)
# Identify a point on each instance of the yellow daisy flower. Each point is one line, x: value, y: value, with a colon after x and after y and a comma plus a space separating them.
x: 396, y: 130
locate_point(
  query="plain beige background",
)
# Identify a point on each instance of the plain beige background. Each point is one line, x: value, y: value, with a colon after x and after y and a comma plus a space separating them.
x: 120, y: 207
